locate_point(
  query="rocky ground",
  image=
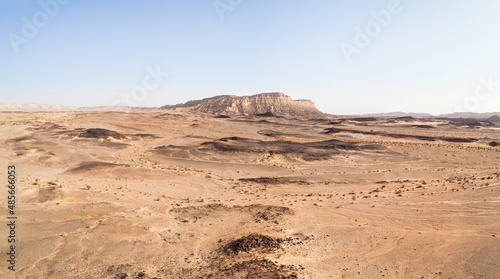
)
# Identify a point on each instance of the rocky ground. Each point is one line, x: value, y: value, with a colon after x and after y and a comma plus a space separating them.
x: 168, y: 195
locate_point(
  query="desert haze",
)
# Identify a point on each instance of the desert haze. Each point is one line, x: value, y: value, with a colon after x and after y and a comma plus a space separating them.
x: 251, y: 187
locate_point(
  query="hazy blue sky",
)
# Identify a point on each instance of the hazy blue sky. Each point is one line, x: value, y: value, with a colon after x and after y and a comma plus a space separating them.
x: 420, y: 56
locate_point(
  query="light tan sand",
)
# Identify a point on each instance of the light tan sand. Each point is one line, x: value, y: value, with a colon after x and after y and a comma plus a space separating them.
x: 181, y: 203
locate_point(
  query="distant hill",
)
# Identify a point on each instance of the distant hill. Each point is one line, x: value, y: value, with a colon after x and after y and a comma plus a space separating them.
x: 495, y: 118
x: 473, y: 115
x: 270, y: 103
x: 398, y: 114
x: 55, y: 108
x: 113, y: 108
x: 34, y: 107
x: 277, y: 104
x: 490, y: 116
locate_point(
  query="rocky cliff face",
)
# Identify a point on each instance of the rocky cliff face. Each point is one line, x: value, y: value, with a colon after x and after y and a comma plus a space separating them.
x: 276, y: 103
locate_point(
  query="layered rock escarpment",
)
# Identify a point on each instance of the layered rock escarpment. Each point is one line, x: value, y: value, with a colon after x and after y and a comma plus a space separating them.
x: 275, y: 103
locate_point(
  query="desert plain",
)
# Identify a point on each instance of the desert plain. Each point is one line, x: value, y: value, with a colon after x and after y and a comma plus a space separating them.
x: 162, y: 194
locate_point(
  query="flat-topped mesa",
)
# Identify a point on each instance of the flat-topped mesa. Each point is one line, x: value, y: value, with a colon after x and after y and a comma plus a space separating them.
x: 276, y: 103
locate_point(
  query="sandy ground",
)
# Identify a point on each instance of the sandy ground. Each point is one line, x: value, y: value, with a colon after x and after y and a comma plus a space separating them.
x: 194, y: 196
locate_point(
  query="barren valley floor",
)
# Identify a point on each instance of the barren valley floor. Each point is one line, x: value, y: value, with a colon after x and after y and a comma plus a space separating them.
x: 169, y: 195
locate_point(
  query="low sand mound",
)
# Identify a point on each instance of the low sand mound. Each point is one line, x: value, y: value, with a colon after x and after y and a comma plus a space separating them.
x: 243, y: 258
x: 92, y: 166
x: 309, y: 151
x: 262, y: 213
x: 44, y: 194
x: 21, y: 139
x: 256, y: 268
x: 276, y: 134
x: 399, y: 136
x: 99, y: 133
x: 258, y: 212
x: 147, y: 136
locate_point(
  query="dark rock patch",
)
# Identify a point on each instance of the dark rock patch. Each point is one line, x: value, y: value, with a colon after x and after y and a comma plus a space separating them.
x: 452, y: 139
x: 423, y: 126
x: 393, y: 135
x: 48, y: 126
x: 335, y: 131
x: 170, y: 146
x: 361, y: 119
x: 405, y: 118
x: 309, y: 151
x: 319, y: 120
x: 99, y: 133
x: 470, y: 122
x: 271, y: 133
x: 266, y: 114
x: 114, y: 145
x: 254, y: 269
x: 271, y: 214
x: 274, y: 180
x: 231, y: 138
x: 146, y: 136
x: 20, y: 139
x: 92, y: 165
x: 252, y: 242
